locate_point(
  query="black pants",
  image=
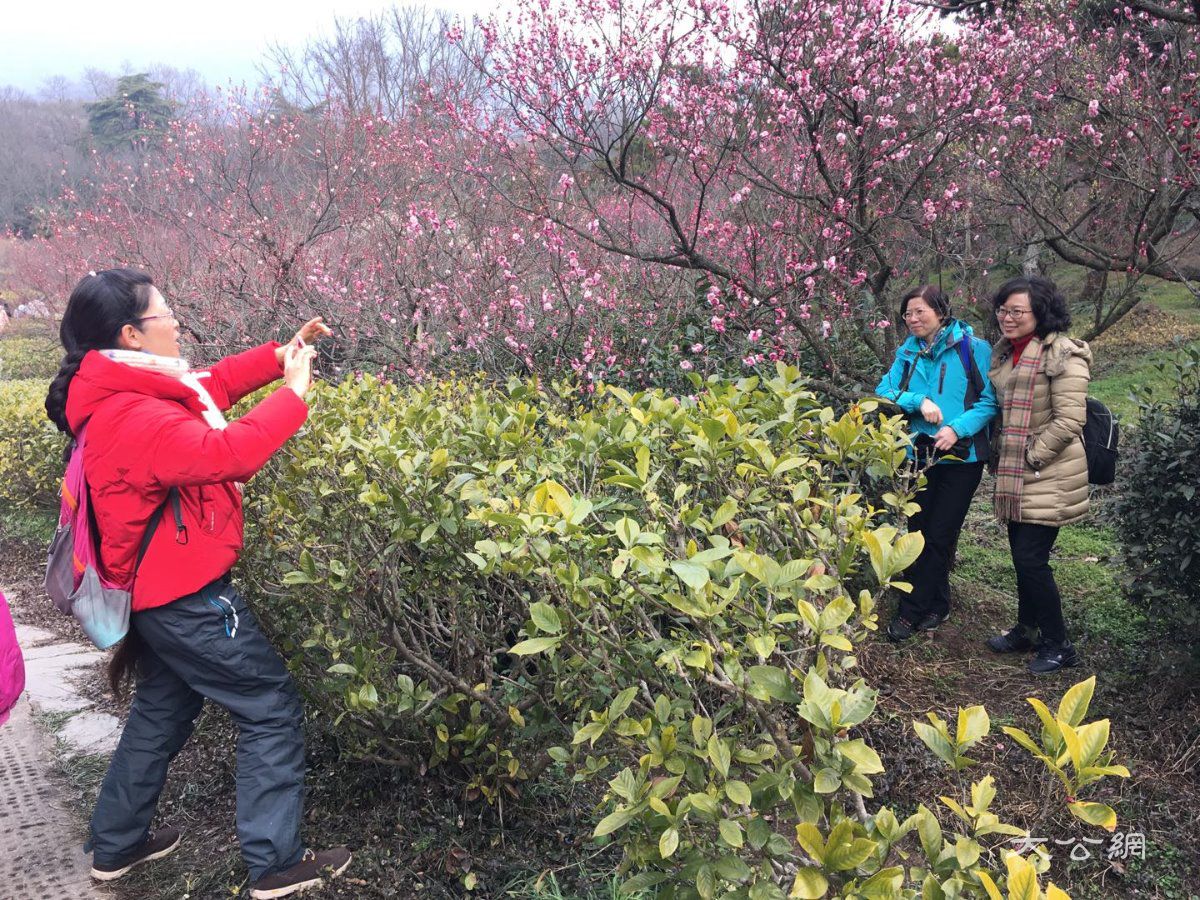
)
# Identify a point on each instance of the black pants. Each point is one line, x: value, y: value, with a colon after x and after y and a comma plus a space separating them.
x: 944, y: 502
x: 208, y: 645
x: 1038, y: 602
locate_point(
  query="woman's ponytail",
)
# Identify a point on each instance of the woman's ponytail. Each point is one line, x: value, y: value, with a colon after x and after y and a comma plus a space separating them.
x: 56, y: 397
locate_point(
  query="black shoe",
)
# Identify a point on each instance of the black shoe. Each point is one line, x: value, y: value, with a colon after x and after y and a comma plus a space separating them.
x: 1014, y: 640
x: 900, y: 629
x: 159, y: 843
x: 931, y: 621
x: 1052, y: 657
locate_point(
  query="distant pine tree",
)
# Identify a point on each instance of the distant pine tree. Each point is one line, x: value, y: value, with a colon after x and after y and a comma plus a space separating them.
x: 135, y: 114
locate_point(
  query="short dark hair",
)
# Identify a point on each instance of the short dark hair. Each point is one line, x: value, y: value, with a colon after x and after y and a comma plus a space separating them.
x: 1045, y: 299
x: 933, y: 295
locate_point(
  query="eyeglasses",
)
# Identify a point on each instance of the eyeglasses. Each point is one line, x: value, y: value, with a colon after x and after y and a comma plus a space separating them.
x: 912, y: 315
x: 167, y: 315
x: 1014, y: 314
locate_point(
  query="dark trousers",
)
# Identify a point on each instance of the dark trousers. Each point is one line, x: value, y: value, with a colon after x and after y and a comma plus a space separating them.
x: 1038, y: 602
x: 944, y: 502
x: 208, y: 645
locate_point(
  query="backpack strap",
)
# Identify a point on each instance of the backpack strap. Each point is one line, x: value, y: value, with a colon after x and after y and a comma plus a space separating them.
x: 983, y: 438
x: 974, y: 378
x: 181, y: 535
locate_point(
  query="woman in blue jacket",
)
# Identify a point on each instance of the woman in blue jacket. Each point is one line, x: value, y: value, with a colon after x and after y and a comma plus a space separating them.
x: 938, y: 379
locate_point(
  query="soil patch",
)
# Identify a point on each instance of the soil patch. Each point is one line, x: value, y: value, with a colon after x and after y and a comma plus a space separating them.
x: 1145, y: 327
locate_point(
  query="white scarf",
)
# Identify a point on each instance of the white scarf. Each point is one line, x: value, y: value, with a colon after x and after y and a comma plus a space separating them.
x: 173, y: 367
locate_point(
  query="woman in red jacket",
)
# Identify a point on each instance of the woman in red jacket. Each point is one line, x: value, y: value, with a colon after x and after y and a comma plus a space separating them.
x: 155, y: 425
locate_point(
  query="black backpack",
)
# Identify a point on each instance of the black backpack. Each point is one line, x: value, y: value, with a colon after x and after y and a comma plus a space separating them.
x: 1101, y: 433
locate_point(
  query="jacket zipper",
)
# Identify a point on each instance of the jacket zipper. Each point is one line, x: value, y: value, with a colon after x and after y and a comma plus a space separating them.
x: 942, y: 379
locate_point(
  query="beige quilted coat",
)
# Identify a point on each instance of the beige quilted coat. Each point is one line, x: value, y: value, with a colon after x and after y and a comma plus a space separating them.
x: 1055, y: 491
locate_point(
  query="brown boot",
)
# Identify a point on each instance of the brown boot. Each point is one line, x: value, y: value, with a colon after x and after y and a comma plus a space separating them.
x: 308, y: 873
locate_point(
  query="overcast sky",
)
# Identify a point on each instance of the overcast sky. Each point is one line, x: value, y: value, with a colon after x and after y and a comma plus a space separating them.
x: 220, y: 39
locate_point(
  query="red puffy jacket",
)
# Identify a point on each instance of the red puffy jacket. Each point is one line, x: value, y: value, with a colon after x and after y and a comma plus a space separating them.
x: 146, y: 435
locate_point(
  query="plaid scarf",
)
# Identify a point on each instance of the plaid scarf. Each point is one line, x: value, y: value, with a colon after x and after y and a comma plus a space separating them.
x: 1018, y: 409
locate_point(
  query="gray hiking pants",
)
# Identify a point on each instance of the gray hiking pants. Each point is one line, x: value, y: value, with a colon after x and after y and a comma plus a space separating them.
x: 208, y: 645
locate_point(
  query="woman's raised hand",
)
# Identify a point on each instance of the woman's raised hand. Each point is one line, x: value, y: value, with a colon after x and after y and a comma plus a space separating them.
x: 931, y: 412
x: 312, y: 330
x: 297, y: 368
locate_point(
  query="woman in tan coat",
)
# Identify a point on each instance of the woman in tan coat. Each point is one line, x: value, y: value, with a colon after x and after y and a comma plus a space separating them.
x: 1041, y: 377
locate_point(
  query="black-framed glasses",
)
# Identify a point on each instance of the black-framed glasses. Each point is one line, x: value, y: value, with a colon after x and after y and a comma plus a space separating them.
x: 1014, y: 314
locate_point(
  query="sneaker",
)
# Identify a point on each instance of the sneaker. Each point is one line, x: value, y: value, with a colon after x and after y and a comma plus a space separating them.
x: 1052, y: 657
x: 308, y: 873
x: 931, y: 621
x: 900, y: 629
x: 158, y: 843
x: 1014, y: 640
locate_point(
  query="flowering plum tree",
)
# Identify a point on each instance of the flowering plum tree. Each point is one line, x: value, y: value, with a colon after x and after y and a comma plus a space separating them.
x: 800, y: 157
x: 1103, y: 164
x: 633, y: 189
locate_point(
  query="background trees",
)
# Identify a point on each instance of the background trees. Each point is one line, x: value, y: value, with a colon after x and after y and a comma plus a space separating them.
x: 637, y: 191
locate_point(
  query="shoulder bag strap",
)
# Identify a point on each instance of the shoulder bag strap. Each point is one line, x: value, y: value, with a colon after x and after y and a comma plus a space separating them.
x: 180, y: 530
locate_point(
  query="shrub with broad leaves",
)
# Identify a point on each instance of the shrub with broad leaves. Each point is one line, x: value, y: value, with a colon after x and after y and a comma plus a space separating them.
x: 662, y: 594
x: 1157, y: 515
x: 30, y: 446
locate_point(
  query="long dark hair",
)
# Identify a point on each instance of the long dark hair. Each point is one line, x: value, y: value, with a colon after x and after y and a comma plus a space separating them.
x: 1045, y: 299
x: 100, y: 306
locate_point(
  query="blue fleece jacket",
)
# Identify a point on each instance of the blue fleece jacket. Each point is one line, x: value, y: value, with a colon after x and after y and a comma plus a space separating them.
x: 938, y: 374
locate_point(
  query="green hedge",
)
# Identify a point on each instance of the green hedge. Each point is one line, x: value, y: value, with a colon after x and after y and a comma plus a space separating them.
x: 30, y: 446
x: 29, y: 358
x: 661, y: 593
x: 1158, y: 511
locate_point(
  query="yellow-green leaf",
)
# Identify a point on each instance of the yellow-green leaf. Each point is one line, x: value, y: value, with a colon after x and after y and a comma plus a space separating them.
x: 1074, y: 704
x: 718, y: 752
x: 866, y: 760
x: 973, y: 723
x: 731, y: 832
x: 989, y: 885
x: 809, y: 837
x: 535, y: 645
x: 1094, y: 814
x: 1022, y: 879
x: 693, y: 575
x: 545, y: 617
x: 668, y: 842
x: 738, y: 792
x: 615, y: 820
x: 810, y: 884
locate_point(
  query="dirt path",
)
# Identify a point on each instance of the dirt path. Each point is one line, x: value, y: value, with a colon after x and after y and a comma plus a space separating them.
x: 43, y: 850
x: 43, y: 843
